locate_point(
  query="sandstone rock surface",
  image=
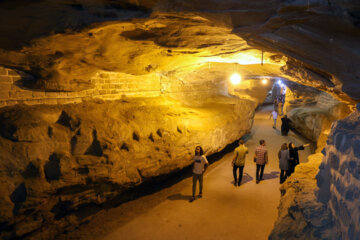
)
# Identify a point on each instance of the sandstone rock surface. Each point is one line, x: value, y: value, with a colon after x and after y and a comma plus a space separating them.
x: 165, y: 65
x: 339, y: 177
x: 151, y: 37
x: 319, y: 201
x: 59, y: 164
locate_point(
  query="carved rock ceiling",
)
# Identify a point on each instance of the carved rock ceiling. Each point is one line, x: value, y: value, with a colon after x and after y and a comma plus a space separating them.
x: 64, y: 43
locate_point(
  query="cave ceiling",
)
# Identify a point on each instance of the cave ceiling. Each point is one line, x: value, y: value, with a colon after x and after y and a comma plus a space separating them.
x: 64, y: 43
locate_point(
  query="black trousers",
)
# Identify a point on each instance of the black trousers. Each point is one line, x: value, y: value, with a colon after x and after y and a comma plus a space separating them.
x: 238, y: 180
x: 292, y: 165
x: 284, y: 174
x: 259, y: 169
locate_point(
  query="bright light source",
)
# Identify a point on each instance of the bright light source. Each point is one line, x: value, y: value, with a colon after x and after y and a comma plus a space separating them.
x: 279, y: 82
x: 264, y: 81
x: 235, y: 79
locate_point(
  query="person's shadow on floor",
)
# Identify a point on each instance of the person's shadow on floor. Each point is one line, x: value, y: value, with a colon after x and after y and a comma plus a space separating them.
x: 245, y: 179
x: 273, y: 174
x: 179, y: 196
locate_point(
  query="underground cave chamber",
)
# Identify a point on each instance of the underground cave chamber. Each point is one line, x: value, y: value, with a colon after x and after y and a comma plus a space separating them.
x: 102, y: 100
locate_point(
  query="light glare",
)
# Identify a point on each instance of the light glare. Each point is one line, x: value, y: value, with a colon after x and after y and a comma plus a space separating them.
x: 235, y: 79
x: 264, y: 81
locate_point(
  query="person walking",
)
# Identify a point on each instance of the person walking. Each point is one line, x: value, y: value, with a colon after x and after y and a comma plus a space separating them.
x: 282, y: 97
x: 274, y: 115
x: 280, y: 105
x: 260, y: 158
x: 238, y: 162
x: 285, y: 126
x: 294, y: 156
x: 284, y: 157
x: 199, y: 166
x: 276, y: 105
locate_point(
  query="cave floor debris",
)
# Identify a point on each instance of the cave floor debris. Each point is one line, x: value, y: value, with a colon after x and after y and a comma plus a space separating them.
x: 224, y: 211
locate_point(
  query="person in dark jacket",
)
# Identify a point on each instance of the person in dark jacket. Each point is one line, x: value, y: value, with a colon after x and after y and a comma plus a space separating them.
x: 294, y: 156
x: 285, y: 126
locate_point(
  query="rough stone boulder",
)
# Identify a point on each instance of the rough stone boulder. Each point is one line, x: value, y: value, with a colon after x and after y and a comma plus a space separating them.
x: 339, y: 176
x: 310, y: 122
x: 301, y: 216
x: 312, y: 111
x: 320, y: 200
x: 59, y: 164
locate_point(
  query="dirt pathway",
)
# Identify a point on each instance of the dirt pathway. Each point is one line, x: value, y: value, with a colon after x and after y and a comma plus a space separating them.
x: 224, y: 212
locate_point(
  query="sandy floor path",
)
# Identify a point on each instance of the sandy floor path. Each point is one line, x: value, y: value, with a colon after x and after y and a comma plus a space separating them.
x: 224, y: 212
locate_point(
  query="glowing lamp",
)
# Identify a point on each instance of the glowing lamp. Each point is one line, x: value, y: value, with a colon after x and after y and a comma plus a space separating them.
x: 264, y: 81
x: 279, y: 82
x: 235, y: 79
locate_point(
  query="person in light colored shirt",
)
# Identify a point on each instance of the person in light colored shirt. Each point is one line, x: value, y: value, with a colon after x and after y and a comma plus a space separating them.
x: 274, y: 115
x: 199, y: 167
x: 238, y: 162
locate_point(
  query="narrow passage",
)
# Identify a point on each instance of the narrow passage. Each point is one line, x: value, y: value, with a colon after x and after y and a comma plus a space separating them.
x: 224, y: 212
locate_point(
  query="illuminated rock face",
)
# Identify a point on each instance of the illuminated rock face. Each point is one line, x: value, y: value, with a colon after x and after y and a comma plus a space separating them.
x: 165, y: 67
x: 327, y: 208
x: 169, y: 39
x: 300, y: 214
x: 339, y: 176
x: 303, y: 210
x: 57, y: 160
x: 312, y: 112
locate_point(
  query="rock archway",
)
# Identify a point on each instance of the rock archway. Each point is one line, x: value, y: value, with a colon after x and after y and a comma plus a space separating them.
x: 98, y: 96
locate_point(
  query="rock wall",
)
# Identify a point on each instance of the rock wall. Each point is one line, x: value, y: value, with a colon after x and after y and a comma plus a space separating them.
x: 339, y: 176
x: 301, y: 216
x: 60, y: 163
x: 312, y: 112
x: 108, y: 86
x: 81, y: 52
x: 320, y: 200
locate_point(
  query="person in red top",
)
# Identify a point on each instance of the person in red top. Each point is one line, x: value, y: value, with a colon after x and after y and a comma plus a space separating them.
x: 261, y: 158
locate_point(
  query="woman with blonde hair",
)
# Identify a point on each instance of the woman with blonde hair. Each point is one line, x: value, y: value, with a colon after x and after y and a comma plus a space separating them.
x: 284, y: 157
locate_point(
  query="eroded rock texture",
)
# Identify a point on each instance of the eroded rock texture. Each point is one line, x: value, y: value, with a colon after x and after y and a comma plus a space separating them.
x: 312, y: 112
x: 339, y: 176
x: 56, y: 160
x: 312, y: 42
x: 301, y: 216
x: 163, y: 68
x: 318, y: 199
